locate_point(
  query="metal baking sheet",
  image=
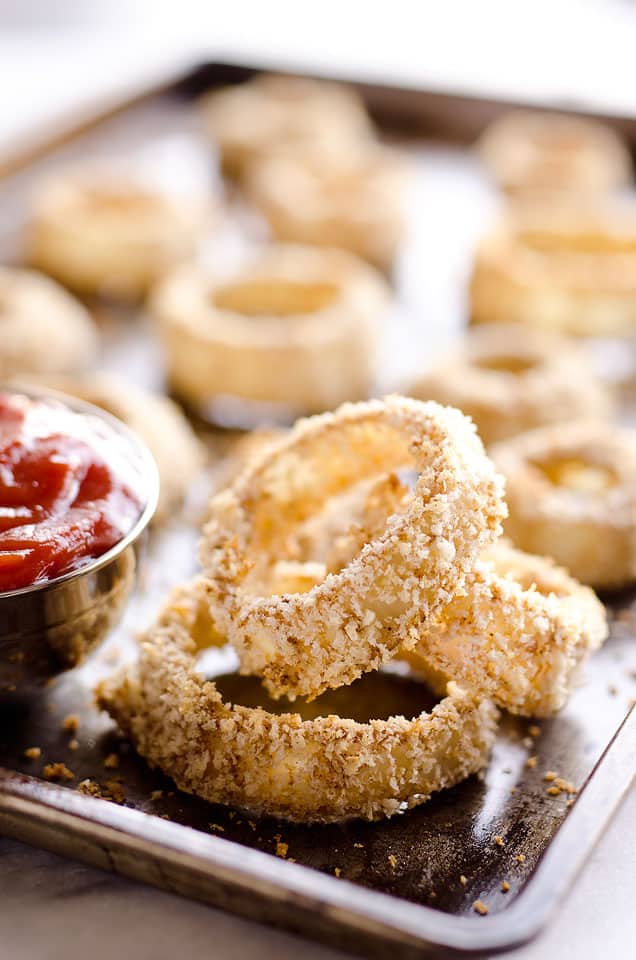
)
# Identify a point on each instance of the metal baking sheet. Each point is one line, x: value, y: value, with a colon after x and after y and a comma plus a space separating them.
x: 364, y: 886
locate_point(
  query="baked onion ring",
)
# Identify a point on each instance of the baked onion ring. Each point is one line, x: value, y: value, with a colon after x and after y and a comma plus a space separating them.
x: 571, y: 493
x: 526, y: 151
x: 355, y: 202
x: 249, y: 120
x: 518, y: 635
x: 564, y: 268
x: 325, y: 769
x: 294, y: 329
x: 357, y: 618
x: 101, y: 234
x: 43, y: 329
x: 510, y: 380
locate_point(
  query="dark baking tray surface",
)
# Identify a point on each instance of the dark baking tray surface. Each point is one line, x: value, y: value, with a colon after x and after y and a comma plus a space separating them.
x: 368, y: 886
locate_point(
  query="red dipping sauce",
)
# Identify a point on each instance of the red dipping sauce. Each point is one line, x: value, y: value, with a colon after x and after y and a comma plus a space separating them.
x: 67, y: 492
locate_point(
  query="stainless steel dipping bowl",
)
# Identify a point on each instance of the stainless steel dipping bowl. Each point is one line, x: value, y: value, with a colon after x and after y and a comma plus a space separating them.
x: 50, y: 627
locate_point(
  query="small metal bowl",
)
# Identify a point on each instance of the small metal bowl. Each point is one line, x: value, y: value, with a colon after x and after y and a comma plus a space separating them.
x: 50, y: 627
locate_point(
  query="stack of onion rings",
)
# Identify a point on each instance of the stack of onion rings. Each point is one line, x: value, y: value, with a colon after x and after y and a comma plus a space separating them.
x: 406, y: 579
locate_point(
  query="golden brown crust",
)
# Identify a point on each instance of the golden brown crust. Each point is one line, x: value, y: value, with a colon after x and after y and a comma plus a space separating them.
x: 571, y: 493
x: 100, y: 234
x: 510, y: 380
x: 43, y: 329
x: 567, y: 268
x: 358, y: 617
x: 531, y: 151
x: 518, y: 634
x: 355, y: 202
x: 249, y: 120
x: 295, y: 328
x: 325, y: 769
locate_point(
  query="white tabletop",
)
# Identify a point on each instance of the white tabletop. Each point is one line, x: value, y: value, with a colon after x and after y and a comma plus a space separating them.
x: 61, y: 57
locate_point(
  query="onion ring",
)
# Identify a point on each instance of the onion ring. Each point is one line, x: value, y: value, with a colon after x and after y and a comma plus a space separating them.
x: 527, y: 151
x: 249, y: 120
x: 510, y: 381
x: 324, y: 769
x: 43, y: 328
x: 354, y: 202
x: 519, y: 635
x: 572, y: 495
x: 568, y: 269
x: 358, y: 618
x: 295, y: 329
x: 100, y: 234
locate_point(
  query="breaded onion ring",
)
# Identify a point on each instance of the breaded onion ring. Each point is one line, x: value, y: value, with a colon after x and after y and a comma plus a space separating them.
x: 159, y: 422
x: 324, y: 769
x: 43, y: 329
x: 354, y: 202
x: 357, y: 618
x: 526, y: 151
x: 295, y: 328
x: 249, y: 120
x: 565, y: 268
x: 519, y: 635
x: 103, y: 235
x: 510, y: 380
x: 572, y: 495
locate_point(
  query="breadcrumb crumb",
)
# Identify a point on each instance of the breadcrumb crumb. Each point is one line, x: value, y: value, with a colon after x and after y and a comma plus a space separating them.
x: 531, y: 762
x: 112, y: 761
x: 463, y: 880
x: 281, y: 849
x: 505, y: 886
x: 480, y: 907
x: 33, y: 753
x: 71, y: 723
x: 57, y: 771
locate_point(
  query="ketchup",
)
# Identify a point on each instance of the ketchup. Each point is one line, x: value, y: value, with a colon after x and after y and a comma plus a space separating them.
x: 67, y: 492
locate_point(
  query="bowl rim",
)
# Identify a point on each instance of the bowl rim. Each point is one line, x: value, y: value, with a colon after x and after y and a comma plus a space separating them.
x: 149, y: 472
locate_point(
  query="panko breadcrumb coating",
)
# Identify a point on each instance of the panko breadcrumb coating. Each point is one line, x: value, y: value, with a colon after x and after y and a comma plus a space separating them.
x: 329, y: 768
x: 357, y: 618
x: 571, y: 493
x: 519, y: 633
x: 43, y: 329
x: 510, y: 380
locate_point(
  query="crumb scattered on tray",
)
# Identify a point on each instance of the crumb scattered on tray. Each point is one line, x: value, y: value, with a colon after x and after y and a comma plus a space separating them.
x: 216, y: 826
x: 393, y: 861
x: 113, y: 790
x: 281, y: 849
x: 550, y: 775
x: 534, y: 730
x: 156, y: 794
x: 499, y: 840
x: 531, y: 762
x: 505, y: 886
x: 57, y: 771
x: 33, y: 753
x: 73, y: 744
x: 520, y: 858
x: 112, y: 761
x: 90, y: 788
x: 463, y: 880
x: 337, y: 871
x: 71, y: 723
x: 480, y: 907
x: 360, y: 846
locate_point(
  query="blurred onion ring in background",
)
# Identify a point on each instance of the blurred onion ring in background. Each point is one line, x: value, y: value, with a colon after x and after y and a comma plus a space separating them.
x: 527, y: 152
x: 571, y: 493
x: 510, y: 380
